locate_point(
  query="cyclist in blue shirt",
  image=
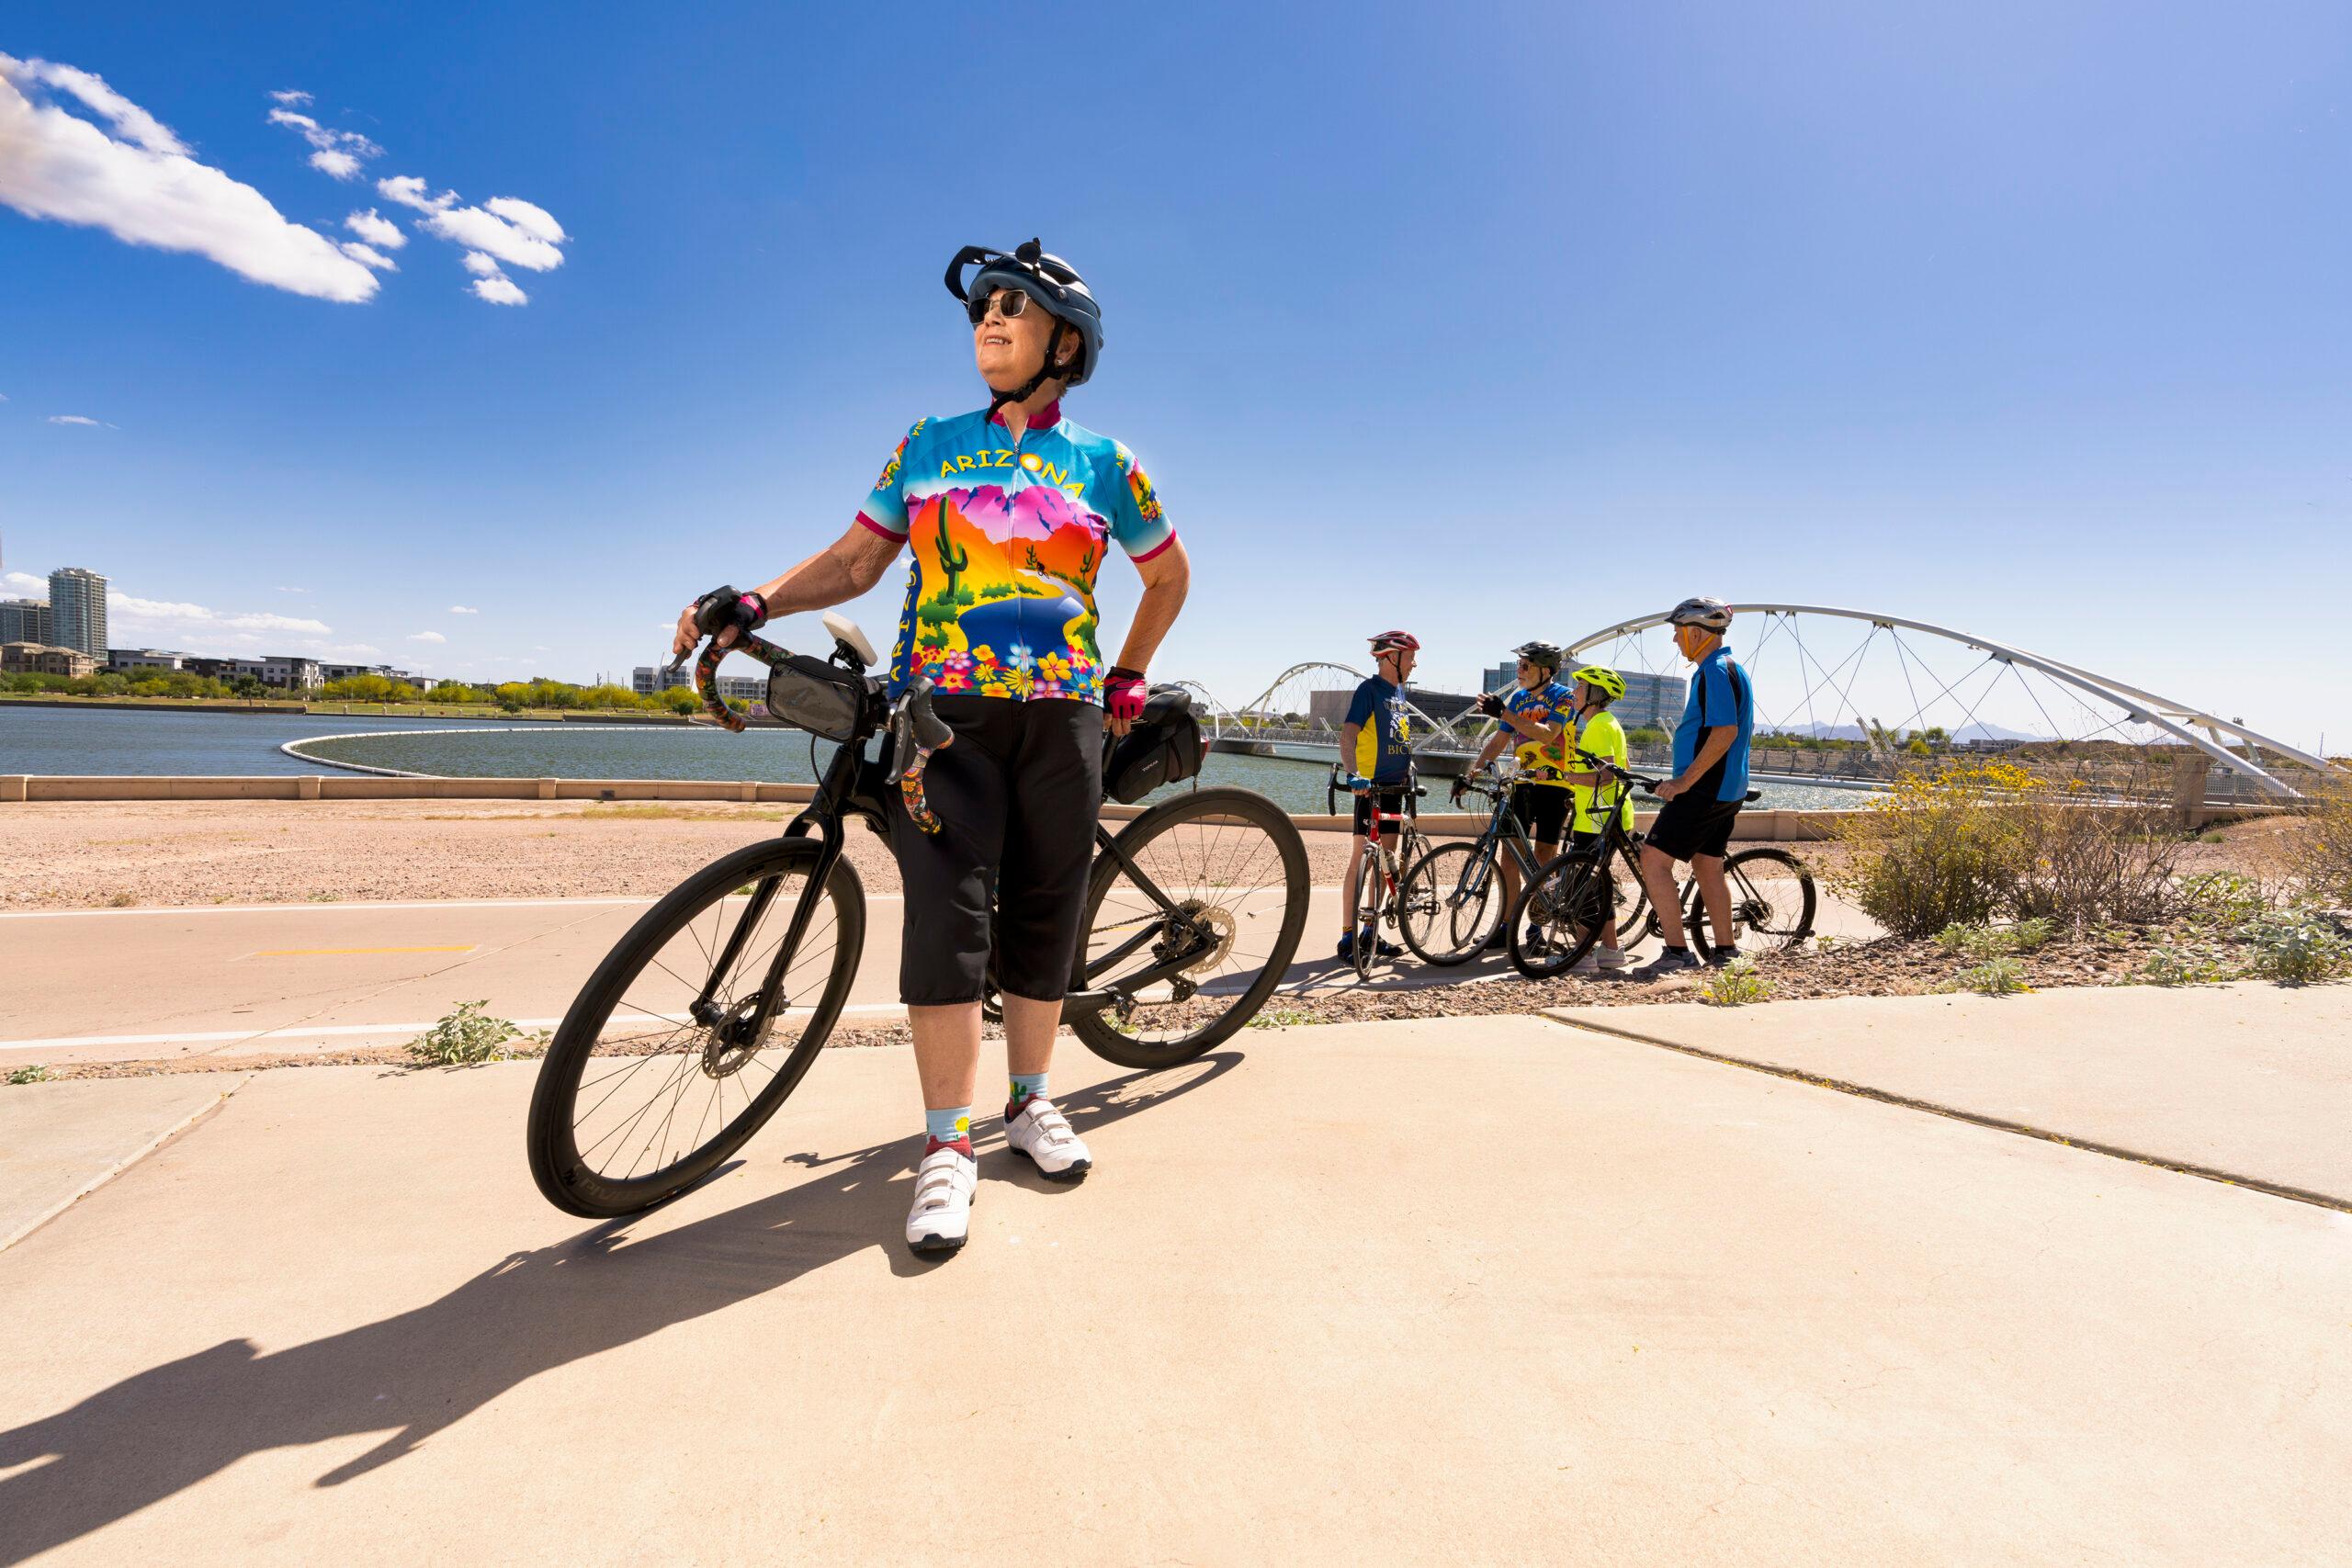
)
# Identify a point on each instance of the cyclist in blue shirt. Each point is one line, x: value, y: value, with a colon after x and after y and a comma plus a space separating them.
x: 1376, y: 747
x: 1710, y: 784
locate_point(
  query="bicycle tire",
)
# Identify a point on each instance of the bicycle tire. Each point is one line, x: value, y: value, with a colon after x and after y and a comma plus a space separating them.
x: 1367, y: 926
x: 1098, y: 1028
x: 1431, y: 889
x: 563, y: 1170
x: 1570, y: 883
x: 1781, y: 918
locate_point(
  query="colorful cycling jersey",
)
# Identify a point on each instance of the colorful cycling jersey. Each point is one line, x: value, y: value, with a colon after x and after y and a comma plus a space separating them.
x: 1383, y: 732
x: 1603, y: 737
x: 1545, y: 704
x: 1008, y: 537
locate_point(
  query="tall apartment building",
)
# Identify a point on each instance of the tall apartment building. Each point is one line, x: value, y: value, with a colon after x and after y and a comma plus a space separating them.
x: 25, y: 620
x: 77, y: 610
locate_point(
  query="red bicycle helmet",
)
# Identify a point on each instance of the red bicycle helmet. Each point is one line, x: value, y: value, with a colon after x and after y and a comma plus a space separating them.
x: 1384, y: 641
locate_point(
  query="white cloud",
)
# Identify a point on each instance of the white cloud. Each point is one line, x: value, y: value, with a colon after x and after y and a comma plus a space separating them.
x: 3, y: 397
x: 180, y: 616
x: 25, y: 582
x: 481, y: 266
x: 140, y: 183
x: 409, y: 191
x: 82, y: 419
x: 367, y: 256
x: 376, y: 230
x: 532, y: 220
x: 499, y: 291
x: 337, y: 153
x: 293, y: 97
x: 283, y: 589
x: 463, y: 610
x: 426, y: 636
x: 480, y: 231
x: 353, y: 651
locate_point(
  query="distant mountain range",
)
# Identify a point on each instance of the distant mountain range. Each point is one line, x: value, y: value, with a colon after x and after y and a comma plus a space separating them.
x: 1978, y: 731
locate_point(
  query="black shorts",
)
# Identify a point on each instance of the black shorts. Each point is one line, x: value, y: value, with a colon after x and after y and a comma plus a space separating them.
x: 1541, y: 810
x: 1017, y: 795
x: 1393, y: 799
x: 1688, y: 826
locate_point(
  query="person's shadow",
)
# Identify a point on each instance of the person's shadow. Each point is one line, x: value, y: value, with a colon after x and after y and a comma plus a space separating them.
x: 166, y: 1429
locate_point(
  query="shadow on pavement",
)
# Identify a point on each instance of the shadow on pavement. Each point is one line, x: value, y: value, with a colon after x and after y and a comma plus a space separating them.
x: 164, y: 1429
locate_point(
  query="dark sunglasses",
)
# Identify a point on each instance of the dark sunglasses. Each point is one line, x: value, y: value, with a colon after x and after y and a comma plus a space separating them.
x: 1014, y: 304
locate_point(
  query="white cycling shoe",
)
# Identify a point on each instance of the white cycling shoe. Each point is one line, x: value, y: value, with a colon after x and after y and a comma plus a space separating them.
x: 942, y: 1216
x: 1042, y: 1134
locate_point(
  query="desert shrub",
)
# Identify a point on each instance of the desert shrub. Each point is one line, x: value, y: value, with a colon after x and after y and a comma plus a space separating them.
x: 1994, y: 977
x: 1940, y: 848
x: 468, y: 1037
x: 1737, y: 984
x: 1989, y: 942
x: 2088, y: 860
x: 2223, y: 900
x: 2320, y: 850
x: 2189, y: 964
x: 2297, y: 947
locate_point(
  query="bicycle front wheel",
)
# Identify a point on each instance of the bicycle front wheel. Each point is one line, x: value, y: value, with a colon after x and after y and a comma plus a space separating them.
x: 1450, y: 902
x: 1772, y: 900
x: 677, y: 1050
x: 1231, y: 871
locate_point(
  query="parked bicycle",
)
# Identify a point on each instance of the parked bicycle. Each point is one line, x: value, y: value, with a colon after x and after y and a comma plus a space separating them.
x: 1452, y: 899
x: 1385, y: 855
x: 709, y: 1011
x: 1568, y: 905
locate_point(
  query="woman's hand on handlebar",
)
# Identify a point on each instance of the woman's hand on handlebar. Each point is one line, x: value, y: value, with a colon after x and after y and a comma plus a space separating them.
x: 722, y: 614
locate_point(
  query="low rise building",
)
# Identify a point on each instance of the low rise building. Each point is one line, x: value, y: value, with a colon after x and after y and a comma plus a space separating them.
x: 40, y: 659
x: 292, y: 673
x: 123, y: 660
x: 26, y: 620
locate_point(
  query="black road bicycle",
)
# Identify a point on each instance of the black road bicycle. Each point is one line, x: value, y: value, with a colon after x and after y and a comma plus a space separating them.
x: 1452, y: 899
x: 1772, y: 896
x: 709, y: 1013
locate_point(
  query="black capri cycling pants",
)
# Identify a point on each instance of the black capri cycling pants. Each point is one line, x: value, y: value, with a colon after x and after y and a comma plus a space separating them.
x: 1016, y: 796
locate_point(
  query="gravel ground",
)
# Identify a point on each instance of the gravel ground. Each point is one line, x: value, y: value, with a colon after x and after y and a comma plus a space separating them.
x: 67, y: 855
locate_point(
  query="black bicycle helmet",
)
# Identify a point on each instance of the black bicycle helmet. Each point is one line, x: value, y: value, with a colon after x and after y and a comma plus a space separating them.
x: 1541, y: 653
x: 1053, y: 284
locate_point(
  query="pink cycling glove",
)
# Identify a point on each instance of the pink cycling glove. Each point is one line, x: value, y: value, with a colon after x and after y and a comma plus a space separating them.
x: 1122, y: 692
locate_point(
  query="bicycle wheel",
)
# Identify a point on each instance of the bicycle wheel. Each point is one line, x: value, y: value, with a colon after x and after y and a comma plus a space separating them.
x: 1565, y: 906
x: 1450, y: 903
x: 1772, y: 899
x: 646, y: 1088
x: 1369, y: 891
x: 1234, y: 866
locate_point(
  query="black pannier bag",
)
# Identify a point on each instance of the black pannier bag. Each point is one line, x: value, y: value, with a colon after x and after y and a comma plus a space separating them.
x: 817, y: 697
x: 1163, y: 747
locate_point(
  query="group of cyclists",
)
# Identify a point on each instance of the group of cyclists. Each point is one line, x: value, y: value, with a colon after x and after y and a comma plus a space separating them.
x: 1009, y: 510
x: 1569, y: 757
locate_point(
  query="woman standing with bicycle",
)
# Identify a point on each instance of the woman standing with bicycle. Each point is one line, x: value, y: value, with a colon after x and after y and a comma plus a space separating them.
x: 1009, y: 509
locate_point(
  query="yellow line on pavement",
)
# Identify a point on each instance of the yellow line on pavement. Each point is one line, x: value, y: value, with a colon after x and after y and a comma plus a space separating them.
x: 343, y: 951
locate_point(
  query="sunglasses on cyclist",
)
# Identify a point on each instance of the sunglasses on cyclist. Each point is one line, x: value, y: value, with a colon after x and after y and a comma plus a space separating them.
x: 1006, y: 302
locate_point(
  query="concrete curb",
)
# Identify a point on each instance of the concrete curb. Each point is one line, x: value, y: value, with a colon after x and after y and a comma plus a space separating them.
x: 1978, y: 1118
x: 199, y: 1114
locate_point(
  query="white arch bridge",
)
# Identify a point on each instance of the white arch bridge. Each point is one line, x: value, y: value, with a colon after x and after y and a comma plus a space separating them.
x: 1827, y: 679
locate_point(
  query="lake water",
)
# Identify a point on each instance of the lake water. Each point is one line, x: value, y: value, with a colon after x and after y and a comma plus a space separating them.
x: 116, y: 740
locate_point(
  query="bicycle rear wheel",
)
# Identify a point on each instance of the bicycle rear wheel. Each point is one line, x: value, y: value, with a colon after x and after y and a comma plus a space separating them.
x: 1234, y: 867
x: 1560, y: 916
x: 676, y: 1052
x: 1450, y: 903
x: 1772, y: 899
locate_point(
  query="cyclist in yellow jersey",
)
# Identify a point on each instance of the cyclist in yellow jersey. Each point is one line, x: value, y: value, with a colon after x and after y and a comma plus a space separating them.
x: 1532, y: 719
x: 1597, y: 731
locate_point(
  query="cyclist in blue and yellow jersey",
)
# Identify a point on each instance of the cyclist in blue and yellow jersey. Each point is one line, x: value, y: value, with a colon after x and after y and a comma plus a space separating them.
x: 1599, y: 733
x: 1532, y: 719
x: 1710, y: 784
x: 1376, y: 745
x: 1011, y: 510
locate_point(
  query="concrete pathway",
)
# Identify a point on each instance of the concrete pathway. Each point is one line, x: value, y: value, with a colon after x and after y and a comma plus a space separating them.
x: 1466, y: 1291
x: 60, y: 1142
x: 2252, y: 1081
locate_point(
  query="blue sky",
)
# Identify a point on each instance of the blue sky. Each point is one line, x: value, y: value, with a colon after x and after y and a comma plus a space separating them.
x: 2027, y: 318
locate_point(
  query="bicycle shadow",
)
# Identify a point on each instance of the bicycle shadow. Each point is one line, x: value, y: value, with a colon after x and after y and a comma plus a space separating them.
x: 417, y: 1373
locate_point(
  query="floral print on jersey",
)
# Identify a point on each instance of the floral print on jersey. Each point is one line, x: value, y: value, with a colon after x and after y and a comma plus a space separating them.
x: 1007, y: 539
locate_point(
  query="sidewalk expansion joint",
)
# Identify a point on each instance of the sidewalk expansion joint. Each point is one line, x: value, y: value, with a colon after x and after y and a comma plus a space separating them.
x: 1975, y: 1118
x: 170, y: 1135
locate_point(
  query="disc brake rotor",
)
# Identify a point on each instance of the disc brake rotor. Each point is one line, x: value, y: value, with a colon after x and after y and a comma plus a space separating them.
x: 1219, y: 922
x: 733, y: 1041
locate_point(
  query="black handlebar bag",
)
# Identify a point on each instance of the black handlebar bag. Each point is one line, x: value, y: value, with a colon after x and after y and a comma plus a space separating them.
x: 820, y: 697
x: 1164, y: 748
